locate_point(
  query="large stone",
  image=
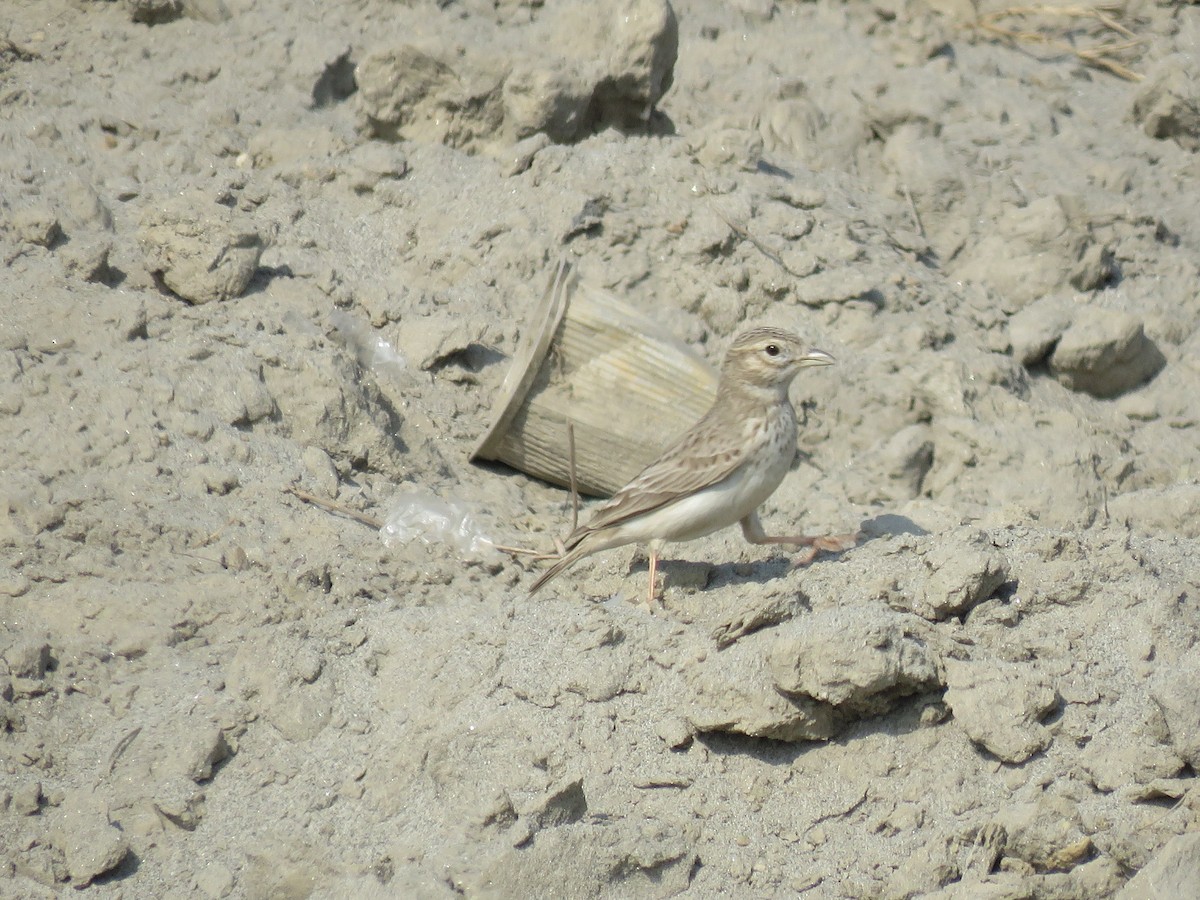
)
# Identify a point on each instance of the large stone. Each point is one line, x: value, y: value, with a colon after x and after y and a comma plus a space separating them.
x: 1104, y: 353
x: 90, y: 842
x: 734, y: 691
x: 1168, y: 103
x: 1174, y: 872
x: 1000, y: 706
x: 859, y: 659
x: 1176, y: 690
x: 202, y: 251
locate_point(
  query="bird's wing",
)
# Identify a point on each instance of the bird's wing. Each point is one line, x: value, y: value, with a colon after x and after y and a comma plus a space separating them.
x: 698, y: 460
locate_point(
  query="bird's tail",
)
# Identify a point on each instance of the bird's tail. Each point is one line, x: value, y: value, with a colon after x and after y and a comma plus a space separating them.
x: 559, y: 567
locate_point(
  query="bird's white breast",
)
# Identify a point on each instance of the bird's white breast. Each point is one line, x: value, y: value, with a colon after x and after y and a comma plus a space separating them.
x: 729, y: 500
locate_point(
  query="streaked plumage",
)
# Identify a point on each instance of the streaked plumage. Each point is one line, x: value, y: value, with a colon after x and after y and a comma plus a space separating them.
x: 721, y: 470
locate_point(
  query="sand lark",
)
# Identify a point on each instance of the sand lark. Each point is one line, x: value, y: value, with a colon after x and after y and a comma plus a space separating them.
x: 721, y: 470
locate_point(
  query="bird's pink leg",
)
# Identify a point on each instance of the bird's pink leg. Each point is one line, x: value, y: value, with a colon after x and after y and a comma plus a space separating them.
x: 752, y: 530
x: 653, y: 576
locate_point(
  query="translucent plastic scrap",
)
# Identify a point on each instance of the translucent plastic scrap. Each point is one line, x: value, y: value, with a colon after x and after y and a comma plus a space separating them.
x: 372, y: 351
x: 420, y: 515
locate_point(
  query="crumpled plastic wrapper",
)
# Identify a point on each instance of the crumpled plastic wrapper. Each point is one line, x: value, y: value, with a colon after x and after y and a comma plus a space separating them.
x: 420, y: 515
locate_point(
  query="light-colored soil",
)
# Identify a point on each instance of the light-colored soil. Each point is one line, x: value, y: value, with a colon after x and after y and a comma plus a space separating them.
x: 255, y: 246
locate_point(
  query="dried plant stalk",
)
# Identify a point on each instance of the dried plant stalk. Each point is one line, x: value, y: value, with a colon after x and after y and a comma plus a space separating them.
x: 1106, y: 54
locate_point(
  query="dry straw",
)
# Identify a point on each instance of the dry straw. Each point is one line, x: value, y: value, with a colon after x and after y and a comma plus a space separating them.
x: 1099, y: 24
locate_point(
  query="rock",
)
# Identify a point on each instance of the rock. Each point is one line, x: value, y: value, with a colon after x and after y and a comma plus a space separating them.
x: 1168, y: 103
x: 560, y: 806
x: 999, y: 705
x: 1034, y: 330
x: 1176, y: 690
x: 961, y: 576
x: 1121, y: 757
x: 207, y: 749
x: 1173, y: 873
x: 91, y: 844
x: 180, y: 801
x: 369, y: 164
x: 28, y: 659
x: 734, y: 691
x: 609, y: 64
x: 642, y: 42
x: 629, y: 859
x: 901, y: 462
x: 1094, y: 269
x: 1045, y: 834
x: 334, y: 408
x: 1029, y: 253
x: 551, y: 100
x: 1167, y: 510
x: 201, y: 250
x: 1104, y: 353
x: 27, y: 798
x: 675, y: 732
x: 243, y: 399
x: 322, y: 474
x: 406, y: 94
x: 37, y: 225
x: 154, y: 12
x: 214, y: 881
x: 83, y: 209
x: 87, y: 259
x: 725, y: 147
x: 859, y: 658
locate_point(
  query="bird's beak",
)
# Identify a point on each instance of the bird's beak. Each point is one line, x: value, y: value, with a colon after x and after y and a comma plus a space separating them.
x: 815, y: 357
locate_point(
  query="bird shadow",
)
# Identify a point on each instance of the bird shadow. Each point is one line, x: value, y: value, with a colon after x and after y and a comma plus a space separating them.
x: 888, y: 525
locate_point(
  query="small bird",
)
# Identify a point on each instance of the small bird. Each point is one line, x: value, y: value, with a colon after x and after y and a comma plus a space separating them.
x: 721, y: 470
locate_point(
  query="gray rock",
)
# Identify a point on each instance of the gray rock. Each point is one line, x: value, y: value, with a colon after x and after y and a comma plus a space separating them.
x: 859, y: 659
x: 27, y: 798
x: 734, y: 691
x: 559, y: 806
x: 1030, y: 252
x: 1168, y: 103
x: 90, y: 843
x: 1174, y: 509
x: 37, y: 225
x: 180, y: 801
x: 406, y: 94
x: 962, y: 575
x: 1034, y: 330
x: 999, y: 705
x: 1104, y: 353
x: 1046, y: 833
x: 629, y: 859
x: 1173, y: 873
x: 547, y: 99
x: 1176, y: 690
x: 243, y: 398
x: 1124, y: 756
x: 642, y: 43
x: 201, y: 250
x: 28, y: 659
x: 215, y: 881
x: 87, y: 259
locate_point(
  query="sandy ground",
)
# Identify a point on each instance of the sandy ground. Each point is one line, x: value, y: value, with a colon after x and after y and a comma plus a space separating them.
x: 255, y: 246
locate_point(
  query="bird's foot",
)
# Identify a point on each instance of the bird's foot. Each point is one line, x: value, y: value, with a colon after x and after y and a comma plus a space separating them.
x: 832, y: 543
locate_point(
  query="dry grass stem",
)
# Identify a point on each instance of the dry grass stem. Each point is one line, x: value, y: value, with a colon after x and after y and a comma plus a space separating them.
x: 1106, y: 54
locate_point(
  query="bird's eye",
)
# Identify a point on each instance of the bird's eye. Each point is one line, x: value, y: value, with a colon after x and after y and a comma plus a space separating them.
x: 772, y: 349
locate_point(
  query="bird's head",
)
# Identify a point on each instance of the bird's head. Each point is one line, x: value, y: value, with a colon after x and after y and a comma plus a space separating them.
x: 769, y: 358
